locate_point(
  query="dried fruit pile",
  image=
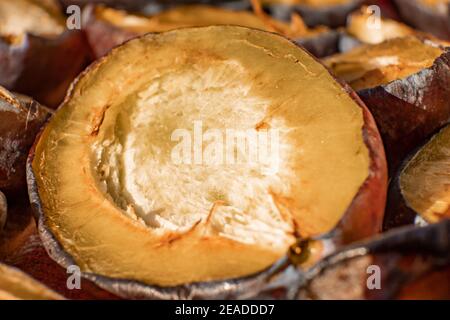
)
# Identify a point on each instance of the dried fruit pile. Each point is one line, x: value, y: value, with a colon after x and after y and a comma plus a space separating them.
x: 281, y: 149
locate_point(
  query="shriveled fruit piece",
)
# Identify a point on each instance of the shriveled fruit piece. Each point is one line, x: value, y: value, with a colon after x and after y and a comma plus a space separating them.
x: 16, y: 285
x: 21, y: 119
x: 39, y: 56
x: 332, y: 13
x: 409, y: 263
x: 428, y: 15
x: 363, y: 28
x: 404, y: 83
x: 118, y: 190
x: 3, y: 210
x: 107, y: 27
x: 421, y: 189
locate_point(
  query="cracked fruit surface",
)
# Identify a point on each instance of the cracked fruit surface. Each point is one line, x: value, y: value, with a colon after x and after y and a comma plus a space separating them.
x: 118, y: 179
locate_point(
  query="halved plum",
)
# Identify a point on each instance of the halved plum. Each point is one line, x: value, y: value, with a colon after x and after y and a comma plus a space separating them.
x: 405, y: 84
x: 120, y: 191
